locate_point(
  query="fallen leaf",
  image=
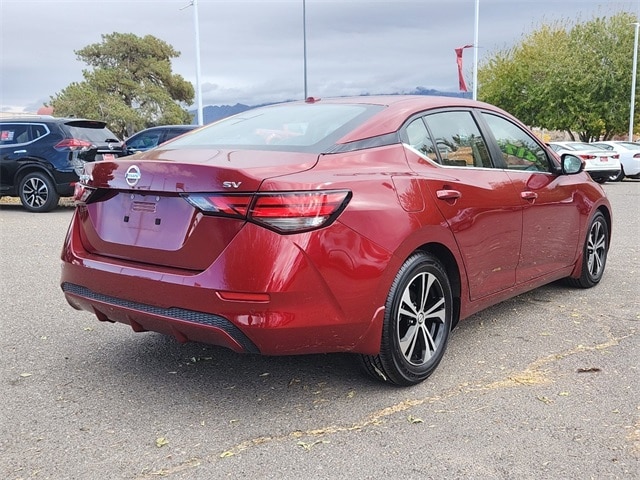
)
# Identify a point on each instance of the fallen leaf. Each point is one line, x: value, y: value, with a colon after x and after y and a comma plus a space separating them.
x: 161, y: 442
x: 24, y: 375
x: 227, y: 454
x: 413, y: 419
x: 545, y: 399
x: 564, y: 394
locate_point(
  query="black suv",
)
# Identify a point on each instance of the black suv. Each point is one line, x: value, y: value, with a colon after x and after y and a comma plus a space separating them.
x: 152, y: 137
x: 41, y: 157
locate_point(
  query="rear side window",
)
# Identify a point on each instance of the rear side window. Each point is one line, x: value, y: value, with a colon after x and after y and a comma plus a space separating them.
x: 145, y: 140
x: 420, y: 140
x: 458, y: 139
x: 14, y: 133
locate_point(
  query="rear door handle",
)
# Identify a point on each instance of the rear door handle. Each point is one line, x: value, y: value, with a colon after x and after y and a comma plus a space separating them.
x: 529, y: 195
x: 19, y: 151
x: 448, y: 194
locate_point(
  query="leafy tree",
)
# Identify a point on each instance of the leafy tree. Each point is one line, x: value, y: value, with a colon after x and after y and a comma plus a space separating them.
x: 575, y: 78
x: 130, y: 86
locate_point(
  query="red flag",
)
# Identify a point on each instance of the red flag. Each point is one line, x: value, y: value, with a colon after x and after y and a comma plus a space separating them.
x: 463, y: 85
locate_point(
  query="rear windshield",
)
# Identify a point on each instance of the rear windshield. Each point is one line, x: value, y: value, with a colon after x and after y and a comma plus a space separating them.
x: 295, y: 127
x: 630, y: 145
x: 91, y: 132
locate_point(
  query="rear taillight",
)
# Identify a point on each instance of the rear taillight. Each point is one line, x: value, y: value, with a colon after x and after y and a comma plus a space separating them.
x: 587, y: 157
x: 637, y: 155
x: 284, y: 212
x: 616, y: 156
x: 72, y: 144
x: 81, y: 193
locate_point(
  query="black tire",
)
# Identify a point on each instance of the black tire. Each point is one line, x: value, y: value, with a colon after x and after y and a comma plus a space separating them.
x: 37, y: 192
x: 618, y: 177
x: 594, y: 253
x: 600, y: 180
x: 417, y: 323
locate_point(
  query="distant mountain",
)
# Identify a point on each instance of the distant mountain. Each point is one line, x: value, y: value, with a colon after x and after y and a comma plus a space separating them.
x: 212, y: 113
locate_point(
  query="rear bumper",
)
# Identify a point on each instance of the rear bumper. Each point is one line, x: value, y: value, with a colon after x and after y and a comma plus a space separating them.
x: 65, y: 182
x: 277, y: 302
x: 178, y: 322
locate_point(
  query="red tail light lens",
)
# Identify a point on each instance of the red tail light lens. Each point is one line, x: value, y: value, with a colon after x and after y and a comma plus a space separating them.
x: 298, y: 211
x: 284, y: 212
x: 224, y: 205
x: 81, y: 193
x: 587, y: 157
x: 72, y: 144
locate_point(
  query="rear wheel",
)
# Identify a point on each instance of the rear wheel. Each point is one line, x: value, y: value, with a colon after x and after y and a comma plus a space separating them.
x: 417, y: 323
x: 37, y: 192
x: 618, y: 177
x: 594, y: 253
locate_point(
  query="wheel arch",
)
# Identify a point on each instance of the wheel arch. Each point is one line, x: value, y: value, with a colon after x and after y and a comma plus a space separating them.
x: 607, y: 216
x: 606, y: 213
x: 28, y: 168
x: 449, y: 262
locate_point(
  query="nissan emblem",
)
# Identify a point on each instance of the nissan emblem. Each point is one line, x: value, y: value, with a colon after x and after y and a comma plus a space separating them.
x: 132, y: 176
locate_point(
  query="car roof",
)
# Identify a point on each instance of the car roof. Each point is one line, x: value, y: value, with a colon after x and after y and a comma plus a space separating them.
x: 398, y: 108
x: 44, y: 118
x: 158, y: 127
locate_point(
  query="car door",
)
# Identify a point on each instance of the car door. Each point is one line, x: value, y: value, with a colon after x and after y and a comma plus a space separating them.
x: 14, y: 140
x: 477, y: 200
x: 550, y: 214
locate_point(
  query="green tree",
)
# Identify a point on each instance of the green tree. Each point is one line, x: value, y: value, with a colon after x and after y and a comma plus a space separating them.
x: 130, y: 86
x: 575, y: 78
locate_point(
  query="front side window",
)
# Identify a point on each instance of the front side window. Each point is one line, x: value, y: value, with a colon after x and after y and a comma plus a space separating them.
x: 458, y: 139
x: 519, y: 150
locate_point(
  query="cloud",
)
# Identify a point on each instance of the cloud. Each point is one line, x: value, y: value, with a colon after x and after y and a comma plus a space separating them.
x: 252, y: 51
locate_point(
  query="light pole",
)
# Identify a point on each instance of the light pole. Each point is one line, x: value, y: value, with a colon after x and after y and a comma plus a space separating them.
x: 475, y: 51
x: 304, y: 43
x: 196, y: 25
x: 633, y: 81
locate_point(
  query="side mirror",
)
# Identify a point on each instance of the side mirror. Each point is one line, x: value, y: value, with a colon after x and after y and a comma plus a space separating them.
x: 571, y: 164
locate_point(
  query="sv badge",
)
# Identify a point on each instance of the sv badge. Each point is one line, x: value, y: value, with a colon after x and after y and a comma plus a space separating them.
x: 231, y: 184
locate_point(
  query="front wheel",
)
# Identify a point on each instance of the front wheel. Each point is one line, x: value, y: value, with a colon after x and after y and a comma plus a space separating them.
x: 37, y: 192
x: 594, y: 253
x: 417, y: 322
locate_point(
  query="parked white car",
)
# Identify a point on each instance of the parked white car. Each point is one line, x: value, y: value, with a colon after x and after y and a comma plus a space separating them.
x: 600, y: 163
x: 629, y: 157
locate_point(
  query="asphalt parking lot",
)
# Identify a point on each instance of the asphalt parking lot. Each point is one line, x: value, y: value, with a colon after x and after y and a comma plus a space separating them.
x: 546, y: 385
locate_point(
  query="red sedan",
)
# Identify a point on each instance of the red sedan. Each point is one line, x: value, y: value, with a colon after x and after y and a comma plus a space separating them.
x: 369, y: 225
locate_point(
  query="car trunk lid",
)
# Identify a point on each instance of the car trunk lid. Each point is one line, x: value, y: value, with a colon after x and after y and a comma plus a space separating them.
x: 137, y: 210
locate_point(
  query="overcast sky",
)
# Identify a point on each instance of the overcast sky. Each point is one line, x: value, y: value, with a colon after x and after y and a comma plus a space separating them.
x: 252, y: 51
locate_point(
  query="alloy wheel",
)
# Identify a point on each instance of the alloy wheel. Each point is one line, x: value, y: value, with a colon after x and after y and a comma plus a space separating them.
x: 421, y: 318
